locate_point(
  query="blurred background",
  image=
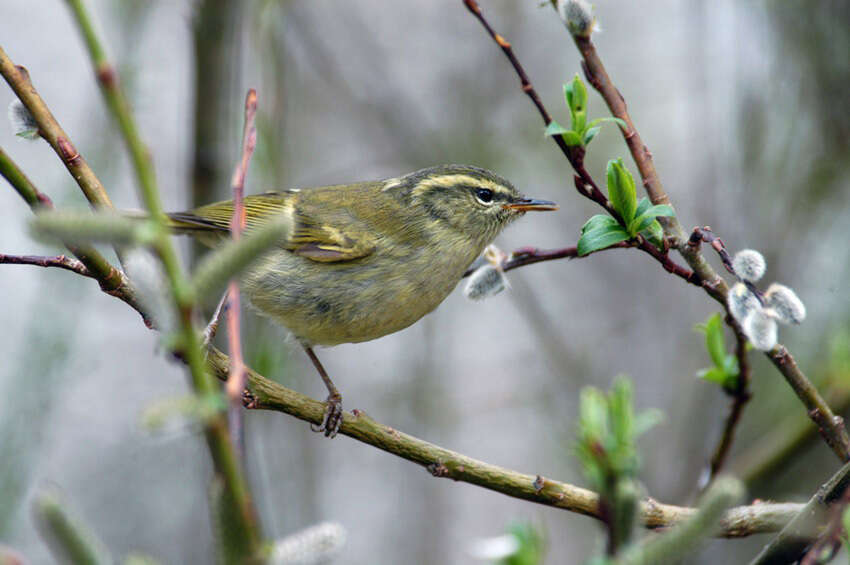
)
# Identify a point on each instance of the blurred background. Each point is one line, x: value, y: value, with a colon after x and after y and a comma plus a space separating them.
x: 743, y: 104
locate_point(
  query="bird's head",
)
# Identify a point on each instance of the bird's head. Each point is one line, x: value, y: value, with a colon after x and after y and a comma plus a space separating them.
x: 472, y: 201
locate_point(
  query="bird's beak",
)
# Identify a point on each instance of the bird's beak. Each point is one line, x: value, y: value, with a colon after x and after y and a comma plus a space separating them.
x: 531, y: 205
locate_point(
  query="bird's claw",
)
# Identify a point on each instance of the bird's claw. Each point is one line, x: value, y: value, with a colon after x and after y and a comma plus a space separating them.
x: 333, y: 417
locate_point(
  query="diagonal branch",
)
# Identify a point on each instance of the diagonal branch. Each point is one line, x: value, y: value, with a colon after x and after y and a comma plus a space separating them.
x: 703, y: 274
x: 19, y: 80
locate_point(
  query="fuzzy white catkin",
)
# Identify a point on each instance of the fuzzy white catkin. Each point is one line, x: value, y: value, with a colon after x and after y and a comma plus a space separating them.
x: 741, y: 302
x: 786, y: 305
x: 314, y: 545
x: 577, y: 15
x: 485, y: 282
x: 749, y: 264
x: 23, y: 124
x: 760, y: 328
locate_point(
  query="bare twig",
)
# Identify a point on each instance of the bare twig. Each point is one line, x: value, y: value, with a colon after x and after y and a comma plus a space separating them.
x: 18, y: 79
x: 236, y: 382
x: 59, y: 261
x: 740, y: 396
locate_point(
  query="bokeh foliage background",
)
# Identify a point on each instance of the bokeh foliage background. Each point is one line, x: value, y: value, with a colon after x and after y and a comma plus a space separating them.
x: 744, y: 108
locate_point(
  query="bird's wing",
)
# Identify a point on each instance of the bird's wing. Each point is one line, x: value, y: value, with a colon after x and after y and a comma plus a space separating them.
x: 216, y: 217
x: 329, y: 235
x: 319, y: 234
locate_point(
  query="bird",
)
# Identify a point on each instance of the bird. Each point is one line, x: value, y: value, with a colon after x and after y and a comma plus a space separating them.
x: 366, y: 259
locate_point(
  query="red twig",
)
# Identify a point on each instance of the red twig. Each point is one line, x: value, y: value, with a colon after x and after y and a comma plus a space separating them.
x: 236, y: 380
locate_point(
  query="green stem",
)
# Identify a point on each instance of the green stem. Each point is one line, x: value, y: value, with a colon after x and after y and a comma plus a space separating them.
x: 107, y: 79
x: 216, y: 431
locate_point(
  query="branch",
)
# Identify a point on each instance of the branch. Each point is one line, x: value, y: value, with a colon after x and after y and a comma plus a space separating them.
x: 49, y: 129
x: 59, y: 261
x: 792, y: 541
x: 740, y: 396
x: 262, y: 393
x: 112, y: 281
x: 703, y: 273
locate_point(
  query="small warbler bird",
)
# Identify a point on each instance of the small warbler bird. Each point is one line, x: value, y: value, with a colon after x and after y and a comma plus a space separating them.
x: 367, y: 259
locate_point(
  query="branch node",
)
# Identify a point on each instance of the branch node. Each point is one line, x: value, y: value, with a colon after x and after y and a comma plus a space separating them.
x: 68, y: 151
x: 538, y: 484
x: 106, y: 75
x: 438, y: 469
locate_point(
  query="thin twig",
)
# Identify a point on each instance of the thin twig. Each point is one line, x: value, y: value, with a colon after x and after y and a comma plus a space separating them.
x: 827, y: 546
x: 236, y: 382
x: 831, y: 426
x: 59, y: 261
x: 795, y: 538
x: 111, y: 280
x: 264, y: 394
x: 18, y: 79
x: 740, y: 397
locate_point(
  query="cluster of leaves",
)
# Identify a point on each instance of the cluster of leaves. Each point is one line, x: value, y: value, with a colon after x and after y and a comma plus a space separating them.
x: 725, y: 370
x: 581, y: 133
x: 607, y: 431
x: 635, y: 217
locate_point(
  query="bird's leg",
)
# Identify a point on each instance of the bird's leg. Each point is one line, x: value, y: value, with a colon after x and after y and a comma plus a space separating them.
x: 212, y: 327
x: 333, y: 411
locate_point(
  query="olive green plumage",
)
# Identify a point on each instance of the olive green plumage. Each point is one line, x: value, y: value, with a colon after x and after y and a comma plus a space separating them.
x: 367, y: 259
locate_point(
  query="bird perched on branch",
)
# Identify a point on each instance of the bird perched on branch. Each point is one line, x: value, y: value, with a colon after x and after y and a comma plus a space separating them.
x: 367, y: 259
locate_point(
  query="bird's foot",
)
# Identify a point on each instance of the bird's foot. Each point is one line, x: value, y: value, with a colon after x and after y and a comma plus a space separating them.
x: 333, y: 416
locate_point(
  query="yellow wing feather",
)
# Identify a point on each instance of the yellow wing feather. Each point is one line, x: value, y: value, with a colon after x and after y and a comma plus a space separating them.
x: 318, y: 234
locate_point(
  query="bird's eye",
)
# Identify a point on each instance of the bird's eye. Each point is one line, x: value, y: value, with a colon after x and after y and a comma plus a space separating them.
x: 484, y: 195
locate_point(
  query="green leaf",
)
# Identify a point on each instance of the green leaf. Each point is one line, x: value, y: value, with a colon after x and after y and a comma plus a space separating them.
x: 621, y: 190
x: 568, y: 94
x: 714, y: 344
x: 647, y: 420
x: 589, y: 134
x: 617, y: 121
x: 600, y: 238
x: 655, y: 234
x: 642, y: 221
x: 714, y: 375
x: 598, y: 221
x: 642, y: 206
x: 571, y: 138
x: 554, y: 128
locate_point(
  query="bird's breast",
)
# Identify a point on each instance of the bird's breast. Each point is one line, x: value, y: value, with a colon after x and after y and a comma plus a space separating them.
x: 354, y: 301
